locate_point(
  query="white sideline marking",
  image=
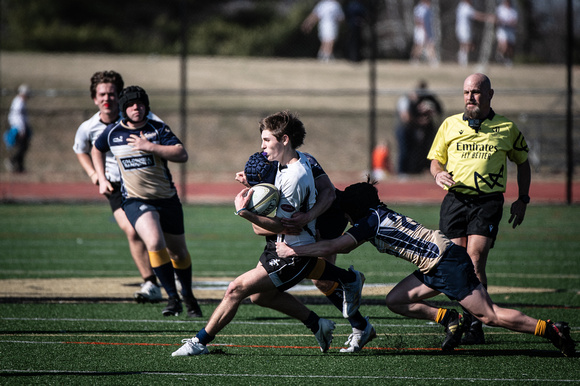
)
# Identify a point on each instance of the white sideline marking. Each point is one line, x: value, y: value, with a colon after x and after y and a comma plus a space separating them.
x: 385, y: 377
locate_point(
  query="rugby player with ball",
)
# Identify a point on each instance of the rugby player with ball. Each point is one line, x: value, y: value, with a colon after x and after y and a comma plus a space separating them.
x: 282, y: 133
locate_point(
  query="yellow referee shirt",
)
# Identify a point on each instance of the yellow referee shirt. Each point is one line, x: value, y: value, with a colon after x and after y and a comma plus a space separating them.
x: 477, y: 160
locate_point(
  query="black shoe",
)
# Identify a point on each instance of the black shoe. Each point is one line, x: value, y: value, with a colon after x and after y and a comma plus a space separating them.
x: 193, y: 310
x: 453, y: 331
x: 173, y: 307
x: 559, y: 334
x: 474, y: 334
x: 473, y: 329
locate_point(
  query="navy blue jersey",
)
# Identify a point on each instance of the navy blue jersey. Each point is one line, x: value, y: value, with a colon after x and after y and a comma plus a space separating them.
x: 144, y: 175
x: 401, y: 236
x: 317, y: 170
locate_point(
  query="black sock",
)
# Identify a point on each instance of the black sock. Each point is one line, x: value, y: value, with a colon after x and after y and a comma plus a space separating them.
x: 357, y: 320
x: 312, y: 322
x: 332, y: 273
x: 152, y: 279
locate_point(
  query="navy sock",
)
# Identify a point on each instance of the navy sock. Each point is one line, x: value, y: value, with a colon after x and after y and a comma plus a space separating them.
x: 165, y: 274
x: 204, y: 337
x: 184, y: 277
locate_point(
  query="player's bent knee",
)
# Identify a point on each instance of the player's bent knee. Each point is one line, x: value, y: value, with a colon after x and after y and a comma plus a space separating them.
x: 235, y: 292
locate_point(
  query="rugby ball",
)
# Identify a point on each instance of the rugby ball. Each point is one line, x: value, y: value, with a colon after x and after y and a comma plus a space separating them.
x: 264, y: 199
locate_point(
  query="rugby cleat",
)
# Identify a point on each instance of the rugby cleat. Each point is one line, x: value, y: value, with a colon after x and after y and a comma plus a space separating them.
x: 193, y: 309
x: 190, y: 347
x: 474, y: 330
x: 559, y: 334
x: 357, y: 340
x: 173, y: 307
x: 149, y: 293
x: 453, y: 331
x: 324, y: 333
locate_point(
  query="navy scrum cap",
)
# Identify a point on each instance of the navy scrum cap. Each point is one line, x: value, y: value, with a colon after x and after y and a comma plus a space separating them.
x: 131, y: 95
x: 259, y: 170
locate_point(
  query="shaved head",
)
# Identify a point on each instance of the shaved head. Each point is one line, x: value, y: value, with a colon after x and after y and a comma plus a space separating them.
x: 477, y: 94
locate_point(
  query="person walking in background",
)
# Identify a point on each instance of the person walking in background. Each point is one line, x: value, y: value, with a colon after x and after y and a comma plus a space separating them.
x: 418, y: 112
x: 443, y: 268
x: 266, y: 284
x: 423, y: 43
x: 17, y: 138
x: 469, y: 160
x: 506, y: 19
x: 142, y: 148
x: 356, y: 15
x: 465, y: 13
x: 328, y: 14
x: 104, y: 88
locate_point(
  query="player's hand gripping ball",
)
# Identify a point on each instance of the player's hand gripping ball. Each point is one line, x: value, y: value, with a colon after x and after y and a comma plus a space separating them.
x: 264, y: 200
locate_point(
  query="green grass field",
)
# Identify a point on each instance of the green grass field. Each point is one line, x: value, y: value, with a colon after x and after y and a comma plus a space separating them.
x: 535, y: 268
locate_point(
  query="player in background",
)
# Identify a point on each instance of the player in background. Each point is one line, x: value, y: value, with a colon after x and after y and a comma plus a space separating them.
x: 267, y: 283
x: 142, y: 148
x: 104, y: 88
x: 328, y: 15
x: 469, y: 160
x: 330, y: 223
x: 443, y: 267
x: 464, y: 14
x: 506, y: 20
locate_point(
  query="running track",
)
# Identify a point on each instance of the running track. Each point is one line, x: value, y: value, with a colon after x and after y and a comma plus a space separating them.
x: 390, y: 191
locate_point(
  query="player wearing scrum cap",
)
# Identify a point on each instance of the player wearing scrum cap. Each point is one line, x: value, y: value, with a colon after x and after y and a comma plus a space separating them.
x: 142, y: 148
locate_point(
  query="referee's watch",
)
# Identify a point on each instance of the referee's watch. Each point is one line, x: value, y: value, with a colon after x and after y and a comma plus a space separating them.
x: 524, y: 198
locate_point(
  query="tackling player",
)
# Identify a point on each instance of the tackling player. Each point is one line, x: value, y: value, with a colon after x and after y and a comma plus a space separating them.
x: 443, y: 267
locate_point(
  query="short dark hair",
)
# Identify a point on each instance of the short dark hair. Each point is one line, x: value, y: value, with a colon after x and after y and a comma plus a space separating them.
x: 285, y: 123
x: 357, y: 199
x: 106, y: 77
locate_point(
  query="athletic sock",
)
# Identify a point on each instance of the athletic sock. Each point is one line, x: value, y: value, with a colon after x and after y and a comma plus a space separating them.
x: 204, y: 337
x: 161, y: 264
x: 357, y: 320
x: 152, y: 279
x: 333, y: 273
x: 183, y: 273
x: 541, y: 329
x: 312, y: 322
x: 442, y: 316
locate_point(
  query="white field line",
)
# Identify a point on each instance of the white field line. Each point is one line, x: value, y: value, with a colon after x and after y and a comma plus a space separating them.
x: 288, y: 376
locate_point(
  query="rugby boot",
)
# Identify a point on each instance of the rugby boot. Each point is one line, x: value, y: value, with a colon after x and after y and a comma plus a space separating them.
x: 453, y: 331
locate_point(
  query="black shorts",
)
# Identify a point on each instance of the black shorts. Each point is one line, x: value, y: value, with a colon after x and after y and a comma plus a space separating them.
x: 115, y: 198
x: 331, y: 224
x: 169, y: 209
x: 454, y: 276
x: 286, y: 272
x: 463, y: 215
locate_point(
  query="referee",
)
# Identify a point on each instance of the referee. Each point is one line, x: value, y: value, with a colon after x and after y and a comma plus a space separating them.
x: 469, y: 159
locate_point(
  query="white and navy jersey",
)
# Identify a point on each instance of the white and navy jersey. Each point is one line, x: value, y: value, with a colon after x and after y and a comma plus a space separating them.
x: 87, y: 134
x: 401, y: 236
x: 144, y: 175
x: 297, y: 194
